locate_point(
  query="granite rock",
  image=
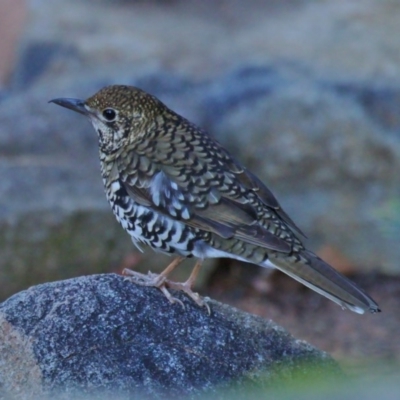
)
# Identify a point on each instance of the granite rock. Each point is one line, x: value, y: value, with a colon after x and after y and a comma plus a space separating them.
x: 101, y: 334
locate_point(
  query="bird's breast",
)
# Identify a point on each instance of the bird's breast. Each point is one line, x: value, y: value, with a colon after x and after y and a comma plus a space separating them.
x: 148, y: 226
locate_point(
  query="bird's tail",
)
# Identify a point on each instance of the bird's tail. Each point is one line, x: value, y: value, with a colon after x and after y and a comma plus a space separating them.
x: 309, y: 269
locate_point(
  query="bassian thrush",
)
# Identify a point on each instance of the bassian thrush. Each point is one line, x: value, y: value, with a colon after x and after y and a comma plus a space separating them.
x: 176, y: 189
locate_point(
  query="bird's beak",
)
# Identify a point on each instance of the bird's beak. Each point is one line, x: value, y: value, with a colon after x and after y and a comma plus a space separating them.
x: 73, y: 104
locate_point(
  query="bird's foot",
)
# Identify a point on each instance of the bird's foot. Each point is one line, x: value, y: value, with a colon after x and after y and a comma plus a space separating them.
x: 152, y: 280
x: 161, y: 282
x: 186, y: 287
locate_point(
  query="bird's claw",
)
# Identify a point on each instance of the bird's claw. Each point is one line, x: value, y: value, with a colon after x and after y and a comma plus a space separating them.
x: 161, y: 282
x: 171, y: 298
x: 186, y: 287
x: 149, y: 279
x: 152, y: 280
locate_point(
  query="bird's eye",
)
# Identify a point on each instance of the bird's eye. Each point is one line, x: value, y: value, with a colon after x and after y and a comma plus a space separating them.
x: 109, y: 114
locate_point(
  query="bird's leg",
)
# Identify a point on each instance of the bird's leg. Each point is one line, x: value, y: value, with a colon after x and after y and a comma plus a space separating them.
x: 156, y: 280
x: 187, y: 286
x: 151, y: 279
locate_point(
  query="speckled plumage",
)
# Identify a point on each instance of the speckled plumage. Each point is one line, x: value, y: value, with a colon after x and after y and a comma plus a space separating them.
x: 176, y: 189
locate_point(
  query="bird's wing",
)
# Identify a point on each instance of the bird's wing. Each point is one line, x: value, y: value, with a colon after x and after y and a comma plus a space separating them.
x: 204, y: 187
x: 248, y: 179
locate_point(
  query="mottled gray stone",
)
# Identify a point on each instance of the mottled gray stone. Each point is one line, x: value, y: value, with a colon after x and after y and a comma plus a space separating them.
x: 102, y: 334
x: 38, y: 57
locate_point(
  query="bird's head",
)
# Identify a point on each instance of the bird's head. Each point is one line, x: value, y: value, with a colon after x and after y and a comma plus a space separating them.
x: 119, y: 114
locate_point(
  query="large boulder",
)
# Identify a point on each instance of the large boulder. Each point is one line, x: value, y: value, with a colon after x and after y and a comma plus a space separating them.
x: 102, y: 334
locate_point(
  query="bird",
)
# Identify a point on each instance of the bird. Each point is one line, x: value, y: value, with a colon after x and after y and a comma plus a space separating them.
x: 176, y: 189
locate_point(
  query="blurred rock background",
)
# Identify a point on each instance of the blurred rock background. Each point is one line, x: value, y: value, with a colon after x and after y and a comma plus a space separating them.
x: 306, y: 93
